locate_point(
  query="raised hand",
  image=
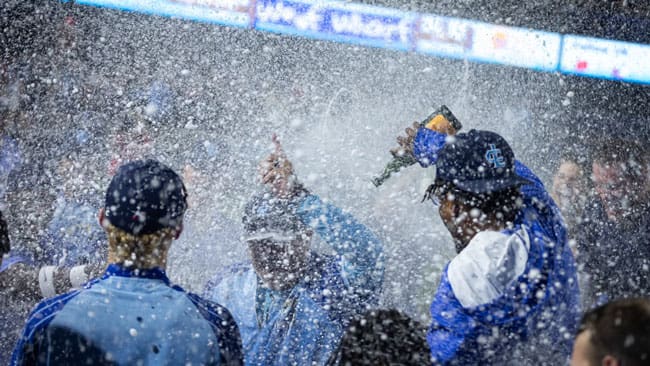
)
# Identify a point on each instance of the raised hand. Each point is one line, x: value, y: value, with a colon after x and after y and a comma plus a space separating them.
x: 276, y: 171
x: 405, y: 148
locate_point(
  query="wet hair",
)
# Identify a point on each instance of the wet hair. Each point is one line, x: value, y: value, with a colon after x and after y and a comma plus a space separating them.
x: 503, y: 204
x: 620, y: 329
x: 5, y: 244
x: 382, y: 337
x: 142, y: 251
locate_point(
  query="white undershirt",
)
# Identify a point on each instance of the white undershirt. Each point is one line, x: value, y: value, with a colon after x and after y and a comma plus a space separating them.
x: 489, y: 263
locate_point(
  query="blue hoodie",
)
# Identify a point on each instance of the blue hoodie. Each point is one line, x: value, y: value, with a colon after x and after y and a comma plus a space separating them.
x: 303, y: 325
x: 129, y: 317
x: 509, y: 297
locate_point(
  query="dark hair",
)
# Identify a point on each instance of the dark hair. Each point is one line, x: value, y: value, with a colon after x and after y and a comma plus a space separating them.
x: 382, y: 337
x: 616, y: 150
x: 5, y: 244
x: 504, y: 204
x: 621, y: 329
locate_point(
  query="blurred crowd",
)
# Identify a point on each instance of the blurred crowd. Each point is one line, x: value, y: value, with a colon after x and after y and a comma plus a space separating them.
x: 603, y: 195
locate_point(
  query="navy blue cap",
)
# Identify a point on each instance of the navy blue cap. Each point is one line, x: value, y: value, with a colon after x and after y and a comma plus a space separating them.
x: 478, y: 162
x: 145, y: 196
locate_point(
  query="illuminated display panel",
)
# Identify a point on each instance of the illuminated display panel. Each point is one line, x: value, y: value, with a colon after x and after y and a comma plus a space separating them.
x: 382, y: 27
x: 606, y: 59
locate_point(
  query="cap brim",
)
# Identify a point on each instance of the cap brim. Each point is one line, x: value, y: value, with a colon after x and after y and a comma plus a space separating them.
x: 491, y: 185
x: 272, y: 236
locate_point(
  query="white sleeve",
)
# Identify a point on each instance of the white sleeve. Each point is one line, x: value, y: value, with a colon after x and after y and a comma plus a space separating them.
x: 78, y: 276
x: 491, y: 261
x: 46, y: 281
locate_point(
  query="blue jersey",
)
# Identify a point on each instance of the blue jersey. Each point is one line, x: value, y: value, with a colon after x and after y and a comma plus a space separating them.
x: 129, y: 317
x: 509, y: 297
x: 303, y: 325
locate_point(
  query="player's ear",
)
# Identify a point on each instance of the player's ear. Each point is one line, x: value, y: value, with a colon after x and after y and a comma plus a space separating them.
x: 609, y: 360
x: 178, y: 232
x: 101, y: 217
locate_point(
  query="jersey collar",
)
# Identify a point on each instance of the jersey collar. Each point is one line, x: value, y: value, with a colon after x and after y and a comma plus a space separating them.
x: 116, y: 269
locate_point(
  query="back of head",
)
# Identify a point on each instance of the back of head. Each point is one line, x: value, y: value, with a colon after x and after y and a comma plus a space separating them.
x: 145, y: 196
x: 620, y: 329
x: 144, y: 208
x: 383, y: 337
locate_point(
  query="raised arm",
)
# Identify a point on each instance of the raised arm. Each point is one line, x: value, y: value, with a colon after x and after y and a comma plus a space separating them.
x: 359, y: 250
x: 427, y: 143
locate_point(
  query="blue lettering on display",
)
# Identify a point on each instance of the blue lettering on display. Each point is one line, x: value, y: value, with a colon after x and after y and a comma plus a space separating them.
x: 494, y: 157
x: 337, y: 21
x: 375, y: 26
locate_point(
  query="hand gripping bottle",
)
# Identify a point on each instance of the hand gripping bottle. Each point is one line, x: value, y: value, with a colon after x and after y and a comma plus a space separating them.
x: 442, y: 120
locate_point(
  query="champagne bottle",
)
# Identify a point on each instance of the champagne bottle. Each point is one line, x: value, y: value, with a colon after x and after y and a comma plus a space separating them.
x: 442, y: 120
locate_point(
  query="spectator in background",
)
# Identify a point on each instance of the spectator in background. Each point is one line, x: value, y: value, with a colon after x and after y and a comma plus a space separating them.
x: 133, y: 315
x: 571, y: 189
x: 614, y: 240
x: 614, y: 334
x: 383, y: 338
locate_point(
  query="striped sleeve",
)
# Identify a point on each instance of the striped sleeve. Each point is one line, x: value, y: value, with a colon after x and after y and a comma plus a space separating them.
x: 30, y: 343
x: 225, y: 329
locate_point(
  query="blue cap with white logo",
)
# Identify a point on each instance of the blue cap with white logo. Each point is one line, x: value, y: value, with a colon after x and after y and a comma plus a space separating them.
x: 478, y: 162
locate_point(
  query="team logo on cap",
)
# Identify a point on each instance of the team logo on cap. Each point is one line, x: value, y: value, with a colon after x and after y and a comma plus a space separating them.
x: 494, y: 157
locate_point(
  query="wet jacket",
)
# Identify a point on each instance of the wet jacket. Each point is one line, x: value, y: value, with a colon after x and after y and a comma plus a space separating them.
x: 509, y: 297
x: 129, y: 317
x: 22, y: 286
x: 615, y: 256
x: 303, y: 325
